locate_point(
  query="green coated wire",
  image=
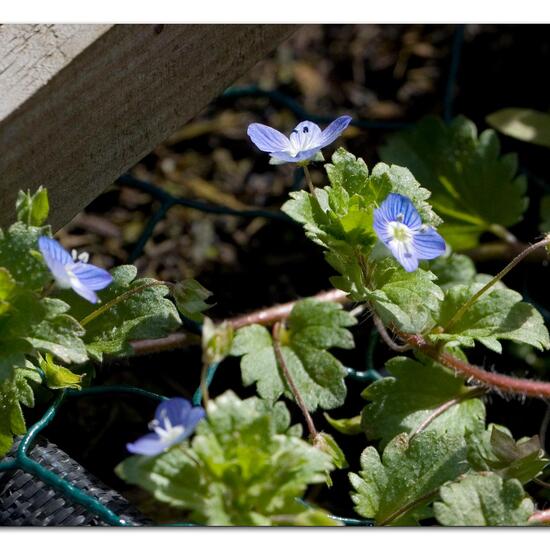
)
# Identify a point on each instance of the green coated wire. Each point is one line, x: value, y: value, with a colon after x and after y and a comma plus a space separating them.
x: 370, y: 374
x: 211, y: 371
x: 24, y: 462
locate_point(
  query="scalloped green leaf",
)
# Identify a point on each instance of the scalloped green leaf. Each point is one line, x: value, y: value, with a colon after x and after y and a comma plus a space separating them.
x: 407, y: 301
x: 483, y: 499
x: 495, y: 449
x: 313, y: 328
x: 135, y: 314
x: 499, y: 314
x: 395, y: 488
x: 16, y: 373
x: 401, y: 402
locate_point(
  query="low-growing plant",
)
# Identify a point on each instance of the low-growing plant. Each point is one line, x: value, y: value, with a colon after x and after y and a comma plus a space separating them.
x: 393, y: 235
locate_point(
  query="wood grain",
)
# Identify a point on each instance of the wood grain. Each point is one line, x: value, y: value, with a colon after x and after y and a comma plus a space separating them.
x: 80, y: 104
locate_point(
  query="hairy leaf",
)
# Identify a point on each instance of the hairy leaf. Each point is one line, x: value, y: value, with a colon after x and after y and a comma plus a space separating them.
x: 483, y: 499
x: 313, y: 327
x: 499, y: 314
x: 190, y: 297
x: 408, y: 301
x: 58, y: 377
x: 400, y: 403
x: 15, y: 375
x: 495, y: 449
x: 473, y: 187
x: 135, y: 313
x: 243, y: 467
x: 20, y: 256
x: 394, y: 489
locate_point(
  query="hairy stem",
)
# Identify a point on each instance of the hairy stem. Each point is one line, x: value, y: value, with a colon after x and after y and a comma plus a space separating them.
x: 474, y: 392
x: 293, y: 388
x: 542, y: 516
x: 309, y: 180
x: 399, y: 348
x: 462, y: 309
x: 492, y: 380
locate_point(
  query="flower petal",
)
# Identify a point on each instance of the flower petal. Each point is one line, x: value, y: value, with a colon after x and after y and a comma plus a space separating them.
x: 405, y: 254
x: 334, y: 130
x: 428, y: 244
x: 196, y: 414
x: 148, y: 445
x: 82, y: 290
x: 91, y: 276
x: 53, y: 252
x: 267, y: 139
x: 399, y: 208
x: 305, y: 137
x: 175, y: 409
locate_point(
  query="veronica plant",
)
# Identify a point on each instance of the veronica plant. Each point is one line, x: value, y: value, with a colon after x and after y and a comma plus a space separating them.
x: 431, y: 457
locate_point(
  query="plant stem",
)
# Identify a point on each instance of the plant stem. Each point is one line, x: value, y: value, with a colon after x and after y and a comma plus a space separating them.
x: 293, y: 388
x: 399, y: 348
x: 111, y: 303
x: 492, y: 380
x: 542, y: 516
x: 462, y: 309
x: 309, y: 180
x: 474, y: 392
x: 503, y: 233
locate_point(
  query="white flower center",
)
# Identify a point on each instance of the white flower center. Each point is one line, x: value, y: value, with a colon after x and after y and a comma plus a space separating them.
x: 65, y: 277
x: 400, y: 232
x: 167, y: 433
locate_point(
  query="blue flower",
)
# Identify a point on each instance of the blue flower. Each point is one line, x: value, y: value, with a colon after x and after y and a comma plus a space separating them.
x: 72, y: 272
x: 306, y: 140
x: 175, y: 420
x: 399, y: 226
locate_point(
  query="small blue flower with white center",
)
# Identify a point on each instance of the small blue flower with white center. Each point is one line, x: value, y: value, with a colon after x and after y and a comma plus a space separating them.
x: 175, y: 420
x: 399, y: 226
x: 304, y: 144
x: 73, y: 271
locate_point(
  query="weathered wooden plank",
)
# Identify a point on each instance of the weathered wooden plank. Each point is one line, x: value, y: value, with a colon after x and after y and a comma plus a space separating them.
x: 84, y: 103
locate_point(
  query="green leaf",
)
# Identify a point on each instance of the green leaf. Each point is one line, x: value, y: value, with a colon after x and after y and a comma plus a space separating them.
x: 19, y: 255
x: 34, y: 323
x: 452, y: 270
x: 326, y: 443
x: 134, y: 315
x: 473, y: 187
x: 243, y: 467
x: 408, y: 301
x: 483, y: 499
x: 7, y: 286
x: 16, y: 373
x: 523, y: 124
x: 499, y: 314
x: 394, y: 489
x: 190, y: 297
x: 346, y: 426
x: 313, y: 327
x: 58, y: 377
x: 495, y: 449
x: 32, y: 209
x: 401, y: 402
